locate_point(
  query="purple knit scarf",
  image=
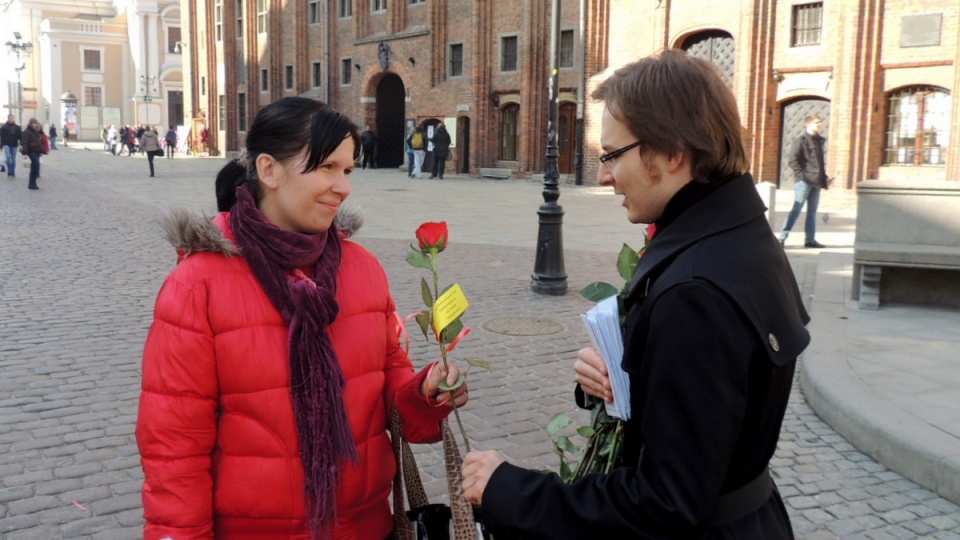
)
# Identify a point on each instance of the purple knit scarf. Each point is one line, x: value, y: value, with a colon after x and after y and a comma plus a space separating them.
x: 316, y: 381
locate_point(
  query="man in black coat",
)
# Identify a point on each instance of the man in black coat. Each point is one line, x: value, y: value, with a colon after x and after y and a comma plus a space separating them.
x: 714, y: 325
x: 806, y: 160
x: 368, y: 140
x: 10, y: 134
x: 441, y: 150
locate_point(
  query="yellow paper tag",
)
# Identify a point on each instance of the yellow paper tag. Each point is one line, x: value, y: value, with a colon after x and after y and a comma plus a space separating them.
x: 448, y: 307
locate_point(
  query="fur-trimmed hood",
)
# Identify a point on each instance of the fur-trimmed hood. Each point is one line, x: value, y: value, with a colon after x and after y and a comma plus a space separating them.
x: 189, y: 232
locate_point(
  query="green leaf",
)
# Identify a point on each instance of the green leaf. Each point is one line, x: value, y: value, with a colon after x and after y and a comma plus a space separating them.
x: 419, y: 259
x: 565, y: 472
x: 598, y: 291
x: 558, y: 422
x: 627, y: 262
x: 423, y: 320
x: 425, y: 293
x: 586, y: 431
x: 459, y: 382
x: 451, y: 332
x: 564, y: 443
x: 480, y: 364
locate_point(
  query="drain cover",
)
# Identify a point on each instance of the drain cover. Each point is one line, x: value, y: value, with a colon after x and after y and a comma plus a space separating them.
x: 523, y: 327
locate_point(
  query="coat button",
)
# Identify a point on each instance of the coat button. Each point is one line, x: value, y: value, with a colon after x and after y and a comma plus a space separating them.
x: 774, y: 343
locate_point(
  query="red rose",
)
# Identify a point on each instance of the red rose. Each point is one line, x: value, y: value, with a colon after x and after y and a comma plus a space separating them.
x: 433, y: 235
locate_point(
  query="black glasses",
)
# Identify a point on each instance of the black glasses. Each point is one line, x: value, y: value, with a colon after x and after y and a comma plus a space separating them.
x: 605, y: 159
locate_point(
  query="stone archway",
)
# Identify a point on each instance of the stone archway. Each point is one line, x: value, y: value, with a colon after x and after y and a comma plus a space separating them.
x: 391, y: 95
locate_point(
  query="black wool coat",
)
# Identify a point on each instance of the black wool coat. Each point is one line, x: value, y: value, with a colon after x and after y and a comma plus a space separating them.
x: 715, y: 323
x: 807, y: 159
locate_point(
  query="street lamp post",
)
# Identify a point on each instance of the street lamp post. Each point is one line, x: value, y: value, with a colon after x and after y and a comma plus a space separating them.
x: 19, y: 47
x: 549, y: 276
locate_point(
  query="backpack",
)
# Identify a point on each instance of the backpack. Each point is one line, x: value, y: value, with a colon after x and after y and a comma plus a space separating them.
x: 416, y: 142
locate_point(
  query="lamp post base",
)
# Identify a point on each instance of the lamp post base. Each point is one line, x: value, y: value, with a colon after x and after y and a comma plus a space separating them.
x: 549, y: 276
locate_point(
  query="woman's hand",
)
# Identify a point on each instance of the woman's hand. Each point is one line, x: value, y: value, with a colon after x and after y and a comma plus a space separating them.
x: 477, y: 469
x: 591, y: 374
x: 431, y: 385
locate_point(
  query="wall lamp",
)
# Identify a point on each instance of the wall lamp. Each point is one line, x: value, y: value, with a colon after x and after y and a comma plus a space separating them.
x: 357, y: 66
x: 413, y: 61
x: 495, y: 99
x: 777, y: 76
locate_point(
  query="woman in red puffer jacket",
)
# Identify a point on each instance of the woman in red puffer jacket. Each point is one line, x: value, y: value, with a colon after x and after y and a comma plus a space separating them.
x: 273, y: 360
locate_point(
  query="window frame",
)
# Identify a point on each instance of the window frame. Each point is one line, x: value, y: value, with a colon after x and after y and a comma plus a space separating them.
x: 918, y: 151
x: 450, y: 60
x: 83, y: 56
x: 222, y: 110
x: 346, y: 71
x: 378, y: 6
x: 264, y: 80
x: 573, y: 49
x: 344, y: 9
x: 806, y: 30
x: 218, y: 20
x: 316, y: 74
x: 240, y: 8
x: 289, y: 79
x: 263, y: 11
x: 313, y: 12
x: 83, y: 93
x: 502, y: 52
x: 172, y: 43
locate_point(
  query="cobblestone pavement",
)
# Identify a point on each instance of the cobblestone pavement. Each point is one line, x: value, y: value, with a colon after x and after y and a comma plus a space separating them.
x: 82, y: 259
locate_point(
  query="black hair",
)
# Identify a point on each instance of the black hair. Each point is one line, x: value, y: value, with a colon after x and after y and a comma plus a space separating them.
x: 282, y: 130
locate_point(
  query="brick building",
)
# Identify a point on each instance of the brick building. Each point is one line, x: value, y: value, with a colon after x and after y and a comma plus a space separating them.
x: 881, y: 73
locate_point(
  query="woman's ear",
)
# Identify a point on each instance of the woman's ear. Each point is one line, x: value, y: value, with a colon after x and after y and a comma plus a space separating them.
x: 269, y: 171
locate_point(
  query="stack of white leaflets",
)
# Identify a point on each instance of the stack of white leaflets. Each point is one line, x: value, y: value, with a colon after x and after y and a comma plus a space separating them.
x: 603, y: 326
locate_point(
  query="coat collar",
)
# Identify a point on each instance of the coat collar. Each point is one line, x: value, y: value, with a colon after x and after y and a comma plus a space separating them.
x: 728, y: 207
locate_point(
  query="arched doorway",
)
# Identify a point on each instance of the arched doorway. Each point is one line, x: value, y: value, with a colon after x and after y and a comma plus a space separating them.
x: 791, y: 127
x: 565, y: 137
x: 716, y: 47
x: 390, y: 112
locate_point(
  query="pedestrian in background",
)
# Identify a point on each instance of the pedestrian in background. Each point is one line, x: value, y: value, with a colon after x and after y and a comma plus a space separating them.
x: 418, y: 142
x: 171, y: 140
x: 113, y: 139
x: 806, y: 160
x: 150, y: 143
x: 714, y: 325
x: 409, y: 150
x: 10, y: 134
x: 368, y: 140
x: 53, y: 137
x: 31, y: 145
x: 274, y: 358
x: 441, y: 150
x: 66, y: 134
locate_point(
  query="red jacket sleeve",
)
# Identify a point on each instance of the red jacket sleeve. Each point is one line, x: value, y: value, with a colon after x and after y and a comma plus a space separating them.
x: 177, y: 419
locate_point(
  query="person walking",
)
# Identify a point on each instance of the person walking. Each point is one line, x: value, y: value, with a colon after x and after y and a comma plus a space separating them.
x: 31, y: 145
x: 150, y: 144
x: 714, y: 325
x: 409, y: 150
x: 53, y: 136
x: 418, y: 142
x: 368, y: 140
x: 806, y: 160
x: 441, y: 150
x: 10, y: 134
x: 113, y: 138
x: 171, y: 140
x: 66, y: 134
x: 274, y: 359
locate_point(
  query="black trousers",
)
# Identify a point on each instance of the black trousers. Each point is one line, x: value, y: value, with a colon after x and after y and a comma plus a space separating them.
x: 368, y: 157
x: 150, y: 159
x: 438, y: 166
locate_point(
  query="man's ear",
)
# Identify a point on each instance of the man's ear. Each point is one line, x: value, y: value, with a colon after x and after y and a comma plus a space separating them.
x: 675, y: 162
x: 269, y: 171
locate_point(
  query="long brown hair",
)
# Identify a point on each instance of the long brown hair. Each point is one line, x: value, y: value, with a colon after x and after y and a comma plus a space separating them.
x: 674, y: 103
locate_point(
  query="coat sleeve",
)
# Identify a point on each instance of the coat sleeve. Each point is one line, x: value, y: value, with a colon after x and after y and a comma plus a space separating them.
x: 177, y: 419
x: 797, y: 159
x: 694, y: 384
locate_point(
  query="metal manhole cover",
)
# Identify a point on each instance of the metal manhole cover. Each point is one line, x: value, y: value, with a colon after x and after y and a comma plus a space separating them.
x: 523, y: 327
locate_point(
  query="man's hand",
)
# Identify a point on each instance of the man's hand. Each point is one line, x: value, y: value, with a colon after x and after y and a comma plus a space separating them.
x: 477, y: 469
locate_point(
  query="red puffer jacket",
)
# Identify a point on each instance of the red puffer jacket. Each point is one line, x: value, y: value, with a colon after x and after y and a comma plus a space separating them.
x: 216, y: 431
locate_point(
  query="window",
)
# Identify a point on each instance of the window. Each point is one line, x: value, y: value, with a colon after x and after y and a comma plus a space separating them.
x: 508, y: 53
x: 417, y: 2
x: 241, y: 112
x: 93, y: 96
x: 173, y: 39
x: 240, y: 19
x: 509, y: 136
x: 92, y: 60
x: 313, y: 12
x: 456, y: 60
x: 807, y: 23
x: 346, y: 76
x: 218, y: 19
x: 261, y: 16
x: 288, y: 77
x: 241, y: 67
x: 316, y: 78
x: 918, y: 126
x: 264, y: 80
x: 344, y: 8
x: 379, y: 5
x: 203, y: 85
x: 566, y: 48
x: 222, y: 110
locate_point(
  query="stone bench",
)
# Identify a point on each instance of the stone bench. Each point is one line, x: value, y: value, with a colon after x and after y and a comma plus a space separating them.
x: 907, y: 247
x: 499, y: 174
